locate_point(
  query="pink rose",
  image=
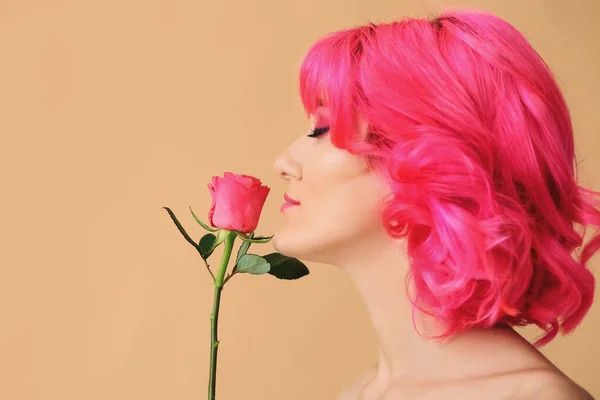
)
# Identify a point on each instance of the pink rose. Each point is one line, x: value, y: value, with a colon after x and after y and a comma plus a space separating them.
x: 237, y: 201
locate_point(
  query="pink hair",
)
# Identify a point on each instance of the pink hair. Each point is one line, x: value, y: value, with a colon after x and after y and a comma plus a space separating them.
x: 467, y: 123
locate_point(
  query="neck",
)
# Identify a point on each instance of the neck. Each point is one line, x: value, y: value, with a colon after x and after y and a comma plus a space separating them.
x: 380, y: 281
x: 403, y: 354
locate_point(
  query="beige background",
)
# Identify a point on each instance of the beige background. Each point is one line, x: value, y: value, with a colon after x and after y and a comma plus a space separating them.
x: 111, y: 109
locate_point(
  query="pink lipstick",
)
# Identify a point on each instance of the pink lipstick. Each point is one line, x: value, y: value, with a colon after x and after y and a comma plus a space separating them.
x: 289, y: 202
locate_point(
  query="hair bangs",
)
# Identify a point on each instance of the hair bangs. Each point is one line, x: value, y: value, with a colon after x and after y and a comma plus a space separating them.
x: 328, y: 78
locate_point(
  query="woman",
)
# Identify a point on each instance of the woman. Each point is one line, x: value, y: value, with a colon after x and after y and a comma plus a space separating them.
x: 439, y: 173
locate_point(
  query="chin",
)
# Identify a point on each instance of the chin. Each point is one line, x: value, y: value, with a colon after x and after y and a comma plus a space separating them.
x: 288, y: 245
x: 305, y: 248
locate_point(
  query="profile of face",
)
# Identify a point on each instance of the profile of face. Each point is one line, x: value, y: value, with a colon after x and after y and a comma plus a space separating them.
x: 339, y: 199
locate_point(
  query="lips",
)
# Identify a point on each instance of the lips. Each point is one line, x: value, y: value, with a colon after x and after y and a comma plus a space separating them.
x: 289, y: 202
x: 289, y: 199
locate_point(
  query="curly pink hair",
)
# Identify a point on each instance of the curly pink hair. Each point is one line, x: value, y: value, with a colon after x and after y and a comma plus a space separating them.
x: 468, y: 125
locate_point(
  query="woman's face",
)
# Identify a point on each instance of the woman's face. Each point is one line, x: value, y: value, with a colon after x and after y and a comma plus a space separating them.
x: 340, y: 199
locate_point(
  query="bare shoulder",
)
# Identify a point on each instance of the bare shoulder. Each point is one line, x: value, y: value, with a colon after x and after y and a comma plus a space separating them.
x: 551, y: 385
x: 518, y: 385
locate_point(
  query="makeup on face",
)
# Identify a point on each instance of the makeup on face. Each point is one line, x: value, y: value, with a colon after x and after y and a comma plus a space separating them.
x: 289, y: 202
x: 318, y: 131
x: 321, y: 122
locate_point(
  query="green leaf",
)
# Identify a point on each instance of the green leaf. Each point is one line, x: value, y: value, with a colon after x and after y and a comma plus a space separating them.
x: 252, y: 264
x: 208, y: 228
x: 206, y: 245
x: 180, y: 227
x: 283, y: 267
x: 258, y: 239
x: 262, y: 239
x: 244, y: 248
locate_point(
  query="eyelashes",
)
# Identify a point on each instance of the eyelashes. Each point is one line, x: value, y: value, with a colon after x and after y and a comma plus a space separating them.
x: 318, y: 131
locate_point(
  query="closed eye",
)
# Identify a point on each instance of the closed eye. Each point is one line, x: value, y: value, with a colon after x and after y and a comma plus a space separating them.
x: 318, y: 131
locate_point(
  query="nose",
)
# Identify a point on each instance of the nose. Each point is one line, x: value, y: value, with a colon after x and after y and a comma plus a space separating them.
x: 287, y: 167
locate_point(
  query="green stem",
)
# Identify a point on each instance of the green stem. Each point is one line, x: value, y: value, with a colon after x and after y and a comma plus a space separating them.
x: 214, y: 316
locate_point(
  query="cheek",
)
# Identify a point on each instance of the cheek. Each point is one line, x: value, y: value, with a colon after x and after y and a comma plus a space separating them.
x: 335, y: 180
x: 333, y: 168
x: 327, y: 189
x: 343, y: 195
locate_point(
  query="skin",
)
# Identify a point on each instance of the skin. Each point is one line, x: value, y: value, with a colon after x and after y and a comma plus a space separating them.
x: 337, y: 222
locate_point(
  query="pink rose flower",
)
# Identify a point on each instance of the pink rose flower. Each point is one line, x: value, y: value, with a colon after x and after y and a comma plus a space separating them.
x: 237, y: 201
